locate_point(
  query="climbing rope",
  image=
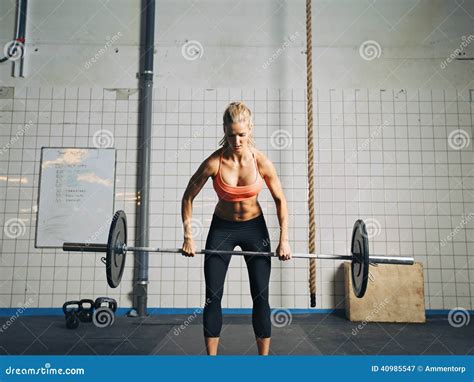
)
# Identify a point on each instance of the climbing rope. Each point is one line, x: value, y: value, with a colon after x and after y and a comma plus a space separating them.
x: 309, y: 113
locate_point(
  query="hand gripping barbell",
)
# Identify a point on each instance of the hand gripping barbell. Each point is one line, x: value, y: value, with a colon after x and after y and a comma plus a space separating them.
x: 116, y: 250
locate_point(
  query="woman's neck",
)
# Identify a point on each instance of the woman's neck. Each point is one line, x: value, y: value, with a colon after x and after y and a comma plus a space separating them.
x: 238, y: 157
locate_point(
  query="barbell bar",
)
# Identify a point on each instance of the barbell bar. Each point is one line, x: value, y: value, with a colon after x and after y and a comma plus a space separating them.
x: 116, y: 250
x: 82, y: 247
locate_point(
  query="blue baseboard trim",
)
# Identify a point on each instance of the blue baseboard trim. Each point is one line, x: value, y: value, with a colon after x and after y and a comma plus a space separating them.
x: 443, y: 312
x: 10, y: 312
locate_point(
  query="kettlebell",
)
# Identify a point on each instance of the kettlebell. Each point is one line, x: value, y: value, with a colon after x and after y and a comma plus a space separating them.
x: 71, y: 309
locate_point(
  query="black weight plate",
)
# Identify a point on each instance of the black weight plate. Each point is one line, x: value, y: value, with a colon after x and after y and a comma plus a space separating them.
x: 115, y: 260
x: 360, y: 258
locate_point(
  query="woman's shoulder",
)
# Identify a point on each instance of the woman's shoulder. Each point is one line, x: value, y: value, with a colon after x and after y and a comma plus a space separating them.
x: 260, y: 156
x: 216, y: 155
x: 212, y: 161
x: 262, y: 160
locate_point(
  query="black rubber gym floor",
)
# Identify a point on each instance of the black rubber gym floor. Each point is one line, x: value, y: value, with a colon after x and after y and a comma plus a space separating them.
x: 308, y: 334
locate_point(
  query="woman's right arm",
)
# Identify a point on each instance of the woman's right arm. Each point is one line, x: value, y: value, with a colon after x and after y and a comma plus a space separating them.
x: 195, y: 185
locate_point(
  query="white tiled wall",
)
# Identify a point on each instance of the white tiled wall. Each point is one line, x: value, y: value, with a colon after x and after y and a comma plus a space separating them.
x: 401, y: 159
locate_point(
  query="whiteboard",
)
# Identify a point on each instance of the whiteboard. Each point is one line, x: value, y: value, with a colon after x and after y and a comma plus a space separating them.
x: 76, y: 196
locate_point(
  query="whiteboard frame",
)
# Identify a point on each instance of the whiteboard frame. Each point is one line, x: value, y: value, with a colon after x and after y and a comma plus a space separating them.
x: 40, y: 177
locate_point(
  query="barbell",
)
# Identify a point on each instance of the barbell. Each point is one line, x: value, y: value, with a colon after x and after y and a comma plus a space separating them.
x: 116, y: 251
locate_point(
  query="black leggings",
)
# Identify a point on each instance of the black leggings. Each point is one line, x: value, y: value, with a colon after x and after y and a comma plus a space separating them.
x: 225, y: 235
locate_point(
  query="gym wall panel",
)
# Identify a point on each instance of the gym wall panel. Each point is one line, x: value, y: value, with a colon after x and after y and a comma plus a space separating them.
x: 415, y: 200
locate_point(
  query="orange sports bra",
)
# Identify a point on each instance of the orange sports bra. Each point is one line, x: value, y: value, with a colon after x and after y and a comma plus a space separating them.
x: 236, y: 193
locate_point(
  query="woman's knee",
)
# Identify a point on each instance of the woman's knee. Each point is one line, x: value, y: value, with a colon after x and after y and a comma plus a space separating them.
x: 259, y: 292
x: 212, y: 302
x: 261, y: 304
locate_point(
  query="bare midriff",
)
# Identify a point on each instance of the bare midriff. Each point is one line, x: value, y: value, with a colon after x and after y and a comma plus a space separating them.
x: 238, y: 211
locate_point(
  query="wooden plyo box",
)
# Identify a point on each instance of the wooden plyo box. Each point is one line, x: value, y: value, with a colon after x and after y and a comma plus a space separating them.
x: 395, y: 293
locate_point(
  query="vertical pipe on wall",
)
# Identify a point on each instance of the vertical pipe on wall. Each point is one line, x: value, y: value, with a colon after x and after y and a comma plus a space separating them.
x: 18, y: 65
x: 144, y: 148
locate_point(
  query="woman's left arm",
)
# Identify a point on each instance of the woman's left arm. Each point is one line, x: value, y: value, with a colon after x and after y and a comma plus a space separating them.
x: 273, y: 183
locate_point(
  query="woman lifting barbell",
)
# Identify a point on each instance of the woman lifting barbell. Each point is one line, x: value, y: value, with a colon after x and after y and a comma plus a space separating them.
x: 238, y: 170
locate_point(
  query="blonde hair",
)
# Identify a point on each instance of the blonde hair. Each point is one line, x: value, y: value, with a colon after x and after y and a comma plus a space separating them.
x: 234, y: 113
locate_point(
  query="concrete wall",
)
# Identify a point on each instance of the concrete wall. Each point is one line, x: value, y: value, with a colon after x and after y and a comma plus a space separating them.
x: 238, y: 38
